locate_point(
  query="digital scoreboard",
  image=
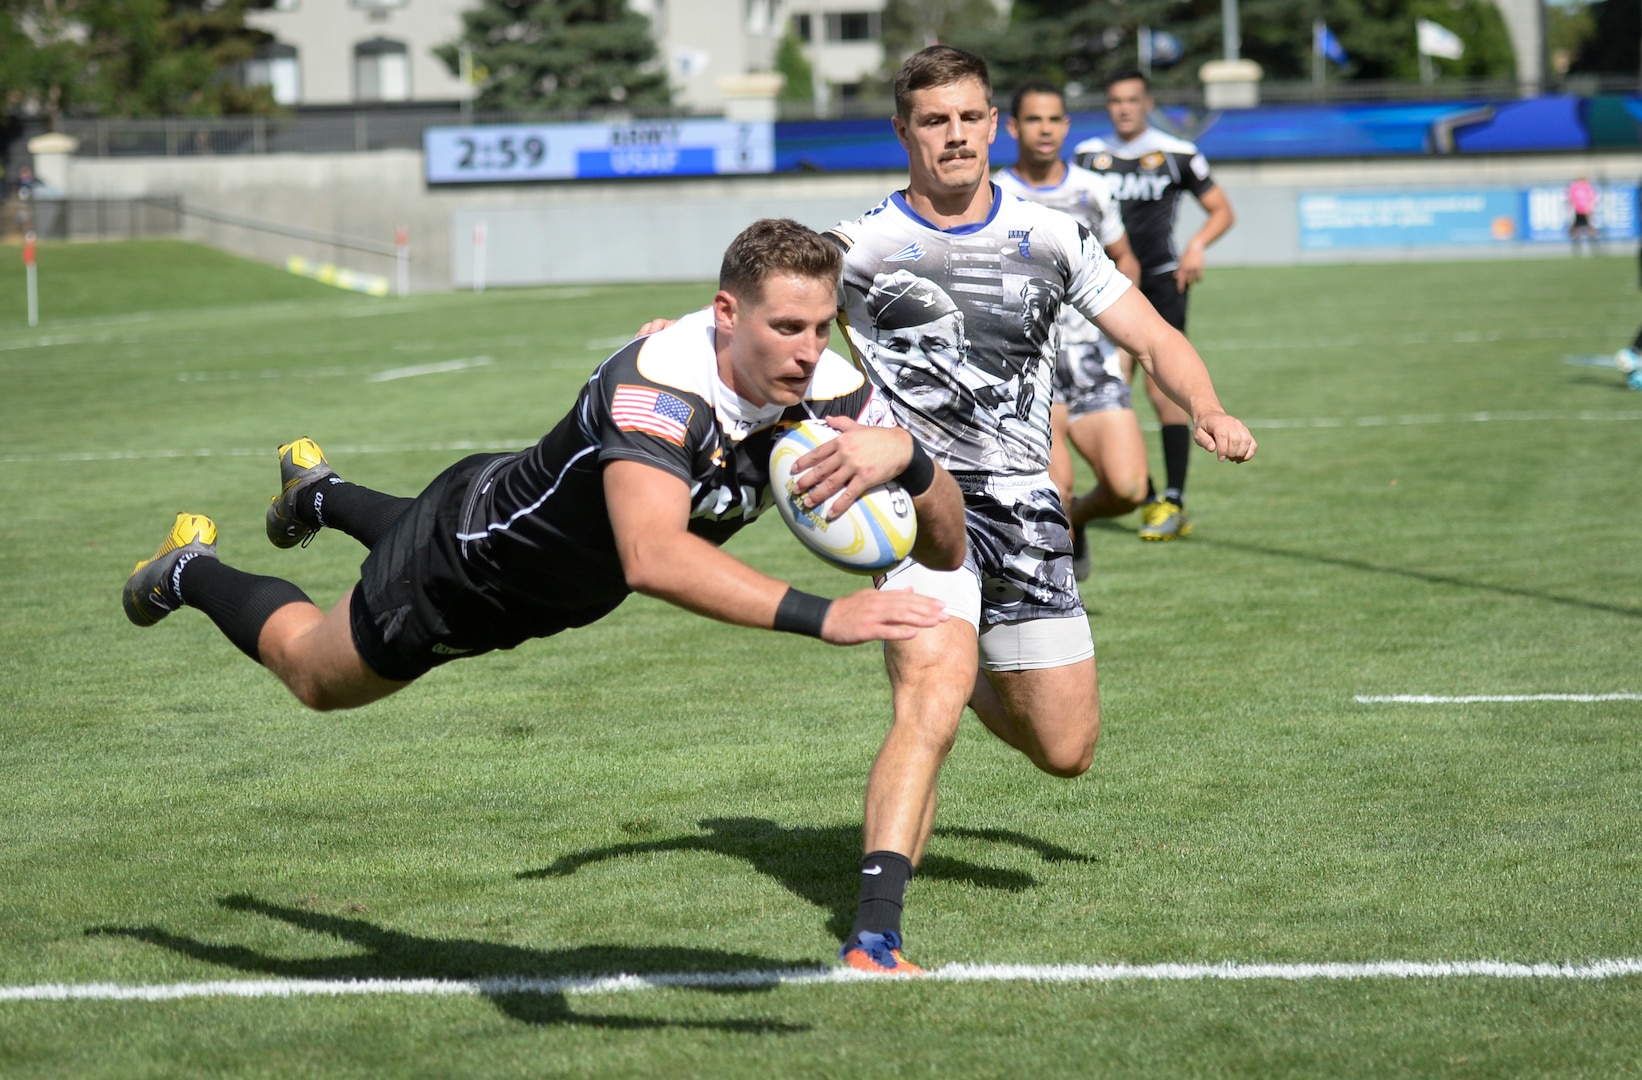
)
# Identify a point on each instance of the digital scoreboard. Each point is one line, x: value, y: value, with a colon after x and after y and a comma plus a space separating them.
x: 504, y: 153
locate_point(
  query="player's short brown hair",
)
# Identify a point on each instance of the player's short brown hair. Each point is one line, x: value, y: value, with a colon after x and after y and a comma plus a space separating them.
x: 773, y: 246
x: 938, y: 65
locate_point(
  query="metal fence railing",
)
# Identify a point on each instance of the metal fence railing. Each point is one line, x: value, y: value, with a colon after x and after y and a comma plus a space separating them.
x: 94, y: 219
x: 348, y: 130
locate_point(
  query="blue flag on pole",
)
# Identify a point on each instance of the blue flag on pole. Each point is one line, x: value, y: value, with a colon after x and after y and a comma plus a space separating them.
x: 1329, y: 46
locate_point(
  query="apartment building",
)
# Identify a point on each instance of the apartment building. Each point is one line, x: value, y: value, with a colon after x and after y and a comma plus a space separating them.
x: 365, y: 52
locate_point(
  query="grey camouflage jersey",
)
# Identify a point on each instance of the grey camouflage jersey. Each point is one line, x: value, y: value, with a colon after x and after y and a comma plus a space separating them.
x: 957, y: 327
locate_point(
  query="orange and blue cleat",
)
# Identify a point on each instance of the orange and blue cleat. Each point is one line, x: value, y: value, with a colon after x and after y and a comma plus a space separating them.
x: 877, y: 954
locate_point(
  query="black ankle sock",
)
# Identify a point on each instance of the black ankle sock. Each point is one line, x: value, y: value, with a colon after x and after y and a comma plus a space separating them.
x: 239, y: 603
x: 1177, y: 454
x: 884, y: 877
x: 359, y: 511
x: 1151, y: 490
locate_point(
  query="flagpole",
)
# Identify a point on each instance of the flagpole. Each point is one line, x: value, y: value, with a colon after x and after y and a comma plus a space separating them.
x: 1317, y: 54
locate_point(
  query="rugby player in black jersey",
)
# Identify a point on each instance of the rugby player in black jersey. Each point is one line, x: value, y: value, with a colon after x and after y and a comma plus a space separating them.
x: 664, y: 455
x: 1147, y: 170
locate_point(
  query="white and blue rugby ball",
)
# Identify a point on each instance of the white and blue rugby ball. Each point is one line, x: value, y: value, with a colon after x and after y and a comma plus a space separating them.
x: 874, y: 534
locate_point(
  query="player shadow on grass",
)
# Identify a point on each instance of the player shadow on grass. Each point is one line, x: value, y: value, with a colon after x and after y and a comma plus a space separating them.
x: 392, y: 954
x: 818, y: 864
x: 1427, y: 577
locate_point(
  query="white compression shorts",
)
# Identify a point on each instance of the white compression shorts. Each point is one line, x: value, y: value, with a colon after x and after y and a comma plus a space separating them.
x: 1027, y: 645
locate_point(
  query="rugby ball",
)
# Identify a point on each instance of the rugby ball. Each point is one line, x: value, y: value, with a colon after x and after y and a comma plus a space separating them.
x: 874, y: 534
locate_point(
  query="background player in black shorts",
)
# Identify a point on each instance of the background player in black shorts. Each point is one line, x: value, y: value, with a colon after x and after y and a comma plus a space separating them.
x: 663, y: 457
x: 1147, y: 170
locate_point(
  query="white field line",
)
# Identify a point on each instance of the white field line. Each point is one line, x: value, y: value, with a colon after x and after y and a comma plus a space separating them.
x: 1469, y: 699
x: 514, y: 444
x: 459, y: 364
x: 733, y: 980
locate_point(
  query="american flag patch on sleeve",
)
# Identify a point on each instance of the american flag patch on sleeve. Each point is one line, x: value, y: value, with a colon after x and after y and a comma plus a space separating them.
x: 655, y: 412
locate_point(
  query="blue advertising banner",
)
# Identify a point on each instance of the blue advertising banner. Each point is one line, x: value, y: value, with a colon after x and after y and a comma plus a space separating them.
x: 504, y: 153
x: 1493, y: 217
x: 1336, y: 222
x: 1553, y: 122
x: 1547, y: 213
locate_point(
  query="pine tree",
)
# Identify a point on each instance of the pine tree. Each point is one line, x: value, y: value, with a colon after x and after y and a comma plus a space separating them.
x: 559, y: 54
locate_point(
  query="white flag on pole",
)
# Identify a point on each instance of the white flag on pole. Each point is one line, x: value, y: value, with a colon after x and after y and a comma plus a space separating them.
x: 1440, y: 41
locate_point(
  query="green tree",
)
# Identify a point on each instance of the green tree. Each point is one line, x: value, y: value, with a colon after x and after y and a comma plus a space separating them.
x: 129, y: 57
x: 1083, y: 41
x: 170, y: 57
x: 1615, y: 47
x: 909, y: 25
x: 559, y: 54
x: 795, y: 68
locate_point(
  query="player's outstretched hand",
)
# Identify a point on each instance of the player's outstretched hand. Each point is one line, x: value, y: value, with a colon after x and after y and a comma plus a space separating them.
x: 1225, y: 437
x: 862, y: 457
x: 653, y: 326
x: 880, y: 615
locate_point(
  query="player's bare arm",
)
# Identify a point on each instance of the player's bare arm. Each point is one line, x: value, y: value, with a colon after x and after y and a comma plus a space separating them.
x: 1220, y: 220
x: 1120, y: 252
x: 649, y: 515
x: 1174, y: 364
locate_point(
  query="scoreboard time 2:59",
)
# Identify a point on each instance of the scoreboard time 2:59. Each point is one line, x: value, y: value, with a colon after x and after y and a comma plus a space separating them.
x: 503, y: 153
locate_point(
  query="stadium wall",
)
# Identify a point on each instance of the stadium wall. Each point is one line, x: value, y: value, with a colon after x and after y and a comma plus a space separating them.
x: 272, y: 207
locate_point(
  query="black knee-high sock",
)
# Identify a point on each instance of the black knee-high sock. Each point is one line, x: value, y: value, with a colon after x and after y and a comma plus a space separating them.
x: 239, y: 603
x: 884, y: 877
x: 359, y: 511
x: 1177, y: 453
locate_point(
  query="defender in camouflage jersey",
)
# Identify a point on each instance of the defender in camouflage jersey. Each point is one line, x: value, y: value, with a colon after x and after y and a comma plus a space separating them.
x: 1017, y: 648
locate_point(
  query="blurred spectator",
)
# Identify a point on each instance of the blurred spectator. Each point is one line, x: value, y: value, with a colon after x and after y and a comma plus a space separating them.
x: 1582, y: 201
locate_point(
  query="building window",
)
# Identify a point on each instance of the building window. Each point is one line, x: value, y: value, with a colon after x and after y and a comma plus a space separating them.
x: 277, y: 66
x: 801, y: 28
x: 853, y: 26
x: 381, y: 71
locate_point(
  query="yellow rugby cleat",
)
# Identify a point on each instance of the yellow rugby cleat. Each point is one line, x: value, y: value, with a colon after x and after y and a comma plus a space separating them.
x: 291, y: 516
x: 1164, y: 519
x: 151, y: 590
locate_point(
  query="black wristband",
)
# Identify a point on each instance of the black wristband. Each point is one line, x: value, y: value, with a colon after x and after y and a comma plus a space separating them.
x: 919, y: 473
x: 801, y: 613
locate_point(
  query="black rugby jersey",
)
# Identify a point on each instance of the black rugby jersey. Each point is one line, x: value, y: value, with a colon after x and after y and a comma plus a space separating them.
x: 1146, y: 175
x: 534, y: 526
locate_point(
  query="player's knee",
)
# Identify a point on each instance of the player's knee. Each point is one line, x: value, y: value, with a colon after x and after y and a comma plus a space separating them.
x: 1127, y: 492
x: 315, y: 694
x: 1070, y: 756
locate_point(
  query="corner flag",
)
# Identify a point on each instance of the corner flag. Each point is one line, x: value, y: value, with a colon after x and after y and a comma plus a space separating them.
x: 1435, y: 40
x: 1325, y: 44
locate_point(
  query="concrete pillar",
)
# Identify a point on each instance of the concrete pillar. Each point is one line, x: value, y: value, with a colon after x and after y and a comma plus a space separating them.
x: 1230, y: 84
x: 752, y: 96
x: 51, y: 153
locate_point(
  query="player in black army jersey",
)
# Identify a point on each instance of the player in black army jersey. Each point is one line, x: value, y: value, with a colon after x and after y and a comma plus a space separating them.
x: 1147, y: 170
x: 663, y: 457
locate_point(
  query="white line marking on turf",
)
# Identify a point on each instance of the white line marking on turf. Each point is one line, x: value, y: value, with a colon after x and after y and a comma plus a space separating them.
x: 459, y: 364
x: 1468, y: 699
x: 732, y: 980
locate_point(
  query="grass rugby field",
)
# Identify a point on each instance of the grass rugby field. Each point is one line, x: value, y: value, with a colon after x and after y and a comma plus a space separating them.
x: 1442, y: 505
